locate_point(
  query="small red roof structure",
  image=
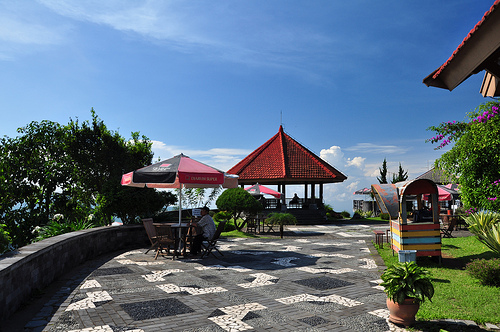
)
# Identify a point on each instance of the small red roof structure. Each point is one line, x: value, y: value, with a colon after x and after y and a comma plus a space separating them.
x: 480, y: 50
x: 281, y: 161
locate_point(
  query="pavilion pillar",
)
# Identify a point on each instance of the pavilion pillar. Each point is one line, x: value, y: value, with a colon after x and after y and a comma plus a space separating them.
x: 321, y: 193
x: 305, y: 192
x: 313, y: 193
x: 283, y: 191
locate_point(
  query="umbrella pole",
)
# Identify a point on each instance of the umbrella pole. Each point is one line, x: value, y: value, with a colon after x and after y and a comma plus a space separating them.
x: 180, y: 202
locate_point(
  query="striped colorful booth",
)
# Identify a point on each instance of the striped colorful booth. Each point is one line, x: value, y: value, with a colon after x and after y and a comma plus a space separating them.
x: 424, y: 237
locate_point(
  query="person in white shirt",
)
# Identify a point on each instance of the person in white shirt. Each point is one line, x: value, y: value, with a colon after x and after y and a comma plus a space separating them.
x: 207, y: 226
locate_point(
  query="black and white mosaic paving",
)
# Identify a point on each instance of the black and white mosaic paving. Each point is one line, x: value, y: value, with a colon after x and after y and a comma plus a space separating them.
x: 323, y: 279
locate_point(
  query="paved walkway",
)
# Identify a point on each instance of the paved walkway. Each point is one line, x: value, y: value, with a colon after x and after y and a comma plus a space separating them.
x: 318, y: 278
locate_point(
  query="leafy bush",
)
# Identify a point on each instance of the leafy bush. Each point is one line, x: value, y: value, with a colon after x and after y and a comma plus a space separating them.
x: 345, y: 214
x: 385, y: 216
x: 54, y: 228
x: 222, y: 215
x: 5, y: 239
x: 358, y: 214
x: 281, y: 219
x: 332, y: 215
x: 486, y: 226
x: 486, y: 270
x: 229, y: 225
x: 368, y: 214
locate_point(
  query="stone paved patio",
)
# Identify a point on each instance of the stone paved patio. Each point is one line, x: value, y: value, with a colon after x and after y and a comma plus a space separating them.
x: 320, y: 278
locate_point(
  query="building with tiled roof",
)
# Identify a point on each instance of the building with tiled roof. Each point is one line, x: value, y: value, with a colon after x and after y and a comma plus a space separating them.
x: 282, y: 161
x: 480, y: 50
x: 437, y: 176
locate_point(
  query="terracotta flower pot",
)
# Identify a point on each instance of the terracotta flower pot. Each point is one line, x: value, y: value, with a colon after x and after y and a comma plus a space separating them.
x: 402, y: 314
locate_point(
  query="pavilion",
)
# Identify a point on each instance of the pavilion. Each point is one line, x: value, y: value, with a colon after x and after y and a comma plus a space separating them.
x: 283, y: 161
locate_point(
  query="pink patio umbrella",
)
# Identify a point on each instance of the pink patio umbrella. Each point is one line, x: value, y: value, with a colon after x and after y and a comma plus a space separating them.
x: 177, y: 172
x: 444, y: 193
x: 364, y: 191
x: 258, y: 189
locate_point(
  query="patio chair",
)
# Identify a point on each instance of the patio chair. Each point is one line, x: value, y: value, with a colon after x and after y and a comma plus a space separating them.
x: 252, y: 225
x: 446, y: 230
x: 165, y: 240
x: 211, y: 244
x: 151, y: 232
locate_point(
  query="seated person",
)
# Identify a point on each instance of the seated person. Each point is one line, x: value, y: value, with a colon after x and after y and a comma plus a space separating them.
x: 422, y: 215
x: 295, y: 199
x: 207, y: 226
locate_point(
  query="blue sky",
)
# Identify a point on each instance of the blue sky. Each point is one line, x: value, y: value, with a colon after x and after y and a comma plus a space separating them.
x: 215, y: 79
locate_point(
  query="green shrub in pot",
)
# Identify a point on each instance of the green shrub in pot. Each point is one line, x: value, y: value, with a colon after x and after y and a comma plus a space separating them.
x: 407, y: 280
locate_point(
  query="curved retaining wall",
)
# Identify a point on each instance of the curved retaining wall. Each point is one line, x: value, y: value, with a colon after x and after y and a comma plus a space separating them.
x: 37, y: 265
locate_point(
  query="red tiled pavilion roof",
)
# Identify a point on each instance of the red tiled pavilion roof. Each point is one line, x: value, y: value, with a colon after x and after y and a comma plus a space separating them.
x: 283, y: 160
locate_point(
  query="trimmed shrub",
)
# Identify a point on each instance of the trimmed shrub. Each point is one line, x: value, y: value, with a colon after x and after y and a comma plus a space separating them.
x: 486, y: 270
x: 222, y: 215
x: 385, y: 216
x: 345, y: 214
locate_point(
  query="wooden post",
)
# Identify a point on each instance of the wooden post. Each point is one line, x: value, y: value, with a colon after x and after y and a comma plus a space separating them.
x: 313, y: 193
x: 305, y: 192
x: 321, y: 192
x: 402, y: 209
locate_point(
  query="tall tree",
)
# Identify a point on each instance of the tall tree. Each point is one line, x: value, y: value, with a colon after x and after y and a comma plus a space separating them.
x: 401, y: 176
x: 383, y: 173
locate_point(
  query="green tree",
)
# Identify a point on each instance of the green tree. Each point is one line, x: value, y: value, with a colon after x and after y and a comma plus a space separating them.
x: 475, y: 158
x: 401, y: 176
x: 199, y: 197
x: 32, y: 166
x: 74, y: 170
x: 383, y: 173
x: 238, y: 202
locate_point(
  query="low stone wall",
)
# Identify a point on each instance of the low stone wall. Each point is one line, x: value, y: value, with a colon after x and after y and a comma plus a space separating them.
x: 37, y: 265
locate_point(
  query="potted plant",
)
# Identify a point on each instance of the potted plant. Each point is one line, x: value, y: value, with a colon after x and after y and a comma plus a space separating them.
x: 406, y: 285
x: 281, y: 219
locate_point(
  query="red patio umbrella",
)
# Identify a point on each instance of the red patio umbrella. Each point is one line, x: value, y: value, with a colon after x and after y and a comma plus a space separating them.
x: 258, y: 189
x: 177, y: 172
x: 364, y: 191
x: 444, y: 193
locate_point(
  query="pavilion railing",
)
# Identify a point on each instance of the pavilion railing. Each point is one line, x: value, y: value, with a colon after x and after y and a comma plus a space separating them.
x: 301, y: 203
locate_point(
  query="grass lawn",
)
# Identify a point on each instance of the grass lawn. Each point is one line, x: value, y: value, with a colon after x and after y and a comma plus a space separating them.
x: 457, y: 295
x: 237, y: 233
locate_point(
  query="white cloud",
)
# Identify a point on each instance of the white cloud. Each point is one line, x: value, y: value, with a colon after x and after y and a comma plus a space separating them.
x: 333, y: 155
x: 377, y: 149
x: 221, y: 158
x: 356, y: 161
x: 353, y: 186
x: 237, y: 32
